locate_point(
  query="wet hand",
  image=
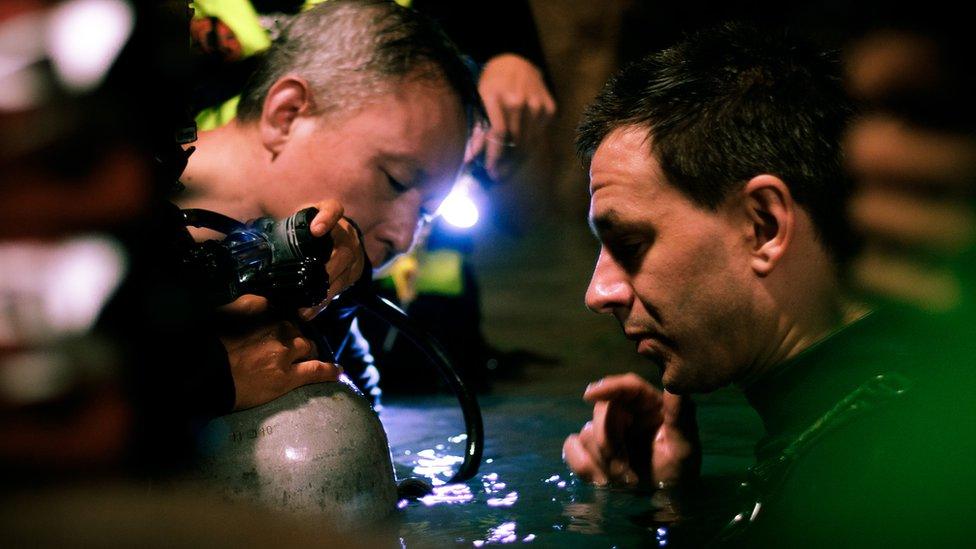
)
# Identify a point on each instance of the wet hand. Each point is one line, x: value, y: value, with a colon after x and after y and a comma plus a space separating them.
x: 519, y: 108
x: 638, y: 434
x: 270, y: 359
x: 348, y: 259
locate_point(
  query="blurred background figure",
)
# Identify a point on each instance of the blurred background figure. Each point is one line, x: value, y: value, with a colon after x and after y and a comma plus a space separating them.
x: 915, y: 154
x: 105, y: 377
x: 78, y: 194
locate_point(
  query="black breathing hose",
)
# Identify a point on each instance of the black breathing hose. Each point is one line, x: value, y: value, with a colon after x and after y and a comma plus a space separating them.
x: 207, y: 219
x: 473, y: 425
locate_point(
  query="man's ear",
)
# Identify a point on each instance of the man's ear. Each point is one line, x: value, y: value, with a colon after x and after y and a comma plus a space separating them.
x: 772, y: 213
x: 287, y: 99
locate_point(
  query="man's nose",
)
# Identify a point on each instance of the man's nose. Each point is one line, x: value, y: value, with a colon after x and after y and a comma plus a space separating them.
x: 401, y: 228
x: 609, y: 287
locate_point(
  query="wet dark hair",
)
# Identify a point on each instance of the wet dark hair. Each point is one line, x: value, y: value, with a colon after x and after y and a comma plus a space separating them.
x: 732, y: 102
x: 351, y: 50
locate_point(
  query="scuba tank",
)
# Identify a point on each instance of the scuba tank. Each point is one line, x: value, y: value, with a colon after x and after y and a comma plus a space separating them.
x: 319, y: 448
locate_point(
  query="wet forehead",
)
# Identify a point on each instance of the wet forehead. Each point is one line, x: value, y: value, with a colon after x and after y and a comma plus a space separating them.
x: 418, y: 129
x: 427, y: 130
x: 626, y: 181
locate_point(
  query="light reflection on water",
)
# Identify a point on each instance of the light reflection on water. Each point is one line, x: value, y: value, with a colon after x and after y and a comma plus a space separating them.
x: 523, y: 493
x: 434, y: 465
x: 491, y: 508
x: 449, y: 493
x: 503, y: 533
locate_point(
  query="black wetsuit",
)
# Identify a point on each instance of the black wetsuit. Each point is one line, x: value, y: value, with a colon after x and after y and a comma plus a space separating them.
x: 883, y: 461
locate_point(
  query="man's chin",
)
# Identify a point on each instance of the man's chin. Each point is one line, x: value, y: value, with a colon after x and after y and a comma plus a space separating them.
x: 677, y: 384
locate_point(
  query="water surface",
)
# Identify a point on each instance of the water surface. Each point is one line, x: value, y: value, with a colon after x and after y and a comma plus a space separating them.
x: 524, y: 494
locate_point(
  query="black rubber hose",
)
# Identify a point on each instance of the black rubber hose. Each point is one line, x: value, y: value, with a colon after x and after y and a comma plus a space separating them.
x: 207, y: 219
x: 470, y: 409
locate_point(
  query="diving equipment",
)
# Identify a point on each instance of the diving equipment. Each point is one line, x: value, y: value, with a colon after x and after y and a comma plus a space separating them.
x: 318, y: 449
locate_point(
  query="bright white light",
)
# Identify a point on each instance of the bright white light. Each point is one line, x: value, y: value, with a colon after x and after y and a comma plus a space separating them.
x: 84, y: 275
x: 458, y: 208
x: 85, y: 37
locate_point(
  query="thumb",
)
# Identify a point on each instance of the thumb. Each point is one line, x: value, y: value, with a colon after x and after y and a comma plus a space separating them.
x: 330, y: 211
x: 677, y: 410
x: 246, y: 305
x: 315, y: 371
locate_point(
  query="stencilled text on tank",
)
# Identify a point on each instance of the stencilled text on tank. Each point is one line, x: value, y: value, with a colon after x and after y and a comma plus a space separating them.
x: 251, y: 434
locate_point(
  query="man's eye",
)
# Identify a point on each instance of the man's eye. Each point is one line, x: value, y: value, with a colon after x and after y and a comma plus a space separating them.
x: 394, y: 184
x: 628, y: 252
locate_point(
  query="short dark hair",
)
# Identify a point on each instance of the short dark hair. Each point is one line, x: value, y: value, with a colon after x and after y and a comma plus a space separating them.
x: 350, y: 50
x: 732, y: 102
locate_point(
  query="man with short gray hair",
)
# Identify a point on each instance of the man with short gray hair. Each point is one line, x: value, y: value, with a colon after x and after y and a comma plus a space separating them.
x: 363, y: 107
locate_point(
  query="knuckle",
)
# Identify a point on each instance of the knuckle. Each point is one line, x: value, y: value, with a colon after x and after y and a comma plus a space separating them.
x: 632, y: 378
x: 513, y: 99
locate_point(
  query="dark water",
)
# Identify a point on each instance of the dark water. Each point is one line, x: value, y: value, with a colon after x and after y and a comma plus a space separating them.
x: 525, y: 494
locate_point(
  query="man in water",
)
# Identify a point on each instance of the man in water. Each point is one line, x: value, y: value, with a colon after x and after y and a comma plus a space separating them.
x: 718, y: 196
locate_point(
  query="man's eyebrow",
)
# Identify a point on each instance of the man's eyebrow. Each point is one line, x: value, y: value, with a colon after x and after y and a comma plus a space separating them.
x: 605, y: 222
x: 417, y: 173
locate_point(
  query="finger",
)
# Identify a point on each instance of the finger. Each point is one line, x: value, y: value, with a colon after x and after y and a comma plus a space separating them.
x: 246, y: 305
x: 671, y: 406
x: 476, y: 144
x: 589, y: 441
x: 548, y: 107
x: 330, y: 212
x: 533, y: 119
x: 515, y: 114
x: 314, y: 371
x: 540, y: 112
x: 679, y: 414
x: 339, y: 265
x: 347, y: 261
x: 301, y: 349
x: 602, y: 442
x: 625, y: 388
x: 494, y: 149
x: 580, y: 462
x: 496, y: 134
x: 619, y: 471
x: 308, y: 314
x: 619, y: 424
x: 610, y: 423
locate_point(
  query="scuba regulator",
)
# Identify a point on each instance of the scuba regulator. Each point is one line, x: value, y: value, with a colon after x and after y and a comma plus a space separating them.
x: 278, y: 260
x: 284, y: 262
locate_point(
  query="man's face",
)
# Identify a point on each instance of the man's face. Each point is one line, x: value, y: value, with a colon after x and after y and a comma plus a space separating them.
x: 675, y: 275
x: 389, y: 162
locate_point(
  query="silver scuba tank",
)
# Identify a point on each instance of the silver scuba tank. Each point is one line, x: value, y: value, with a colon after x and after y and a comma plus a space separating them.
x: 319, y: 449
